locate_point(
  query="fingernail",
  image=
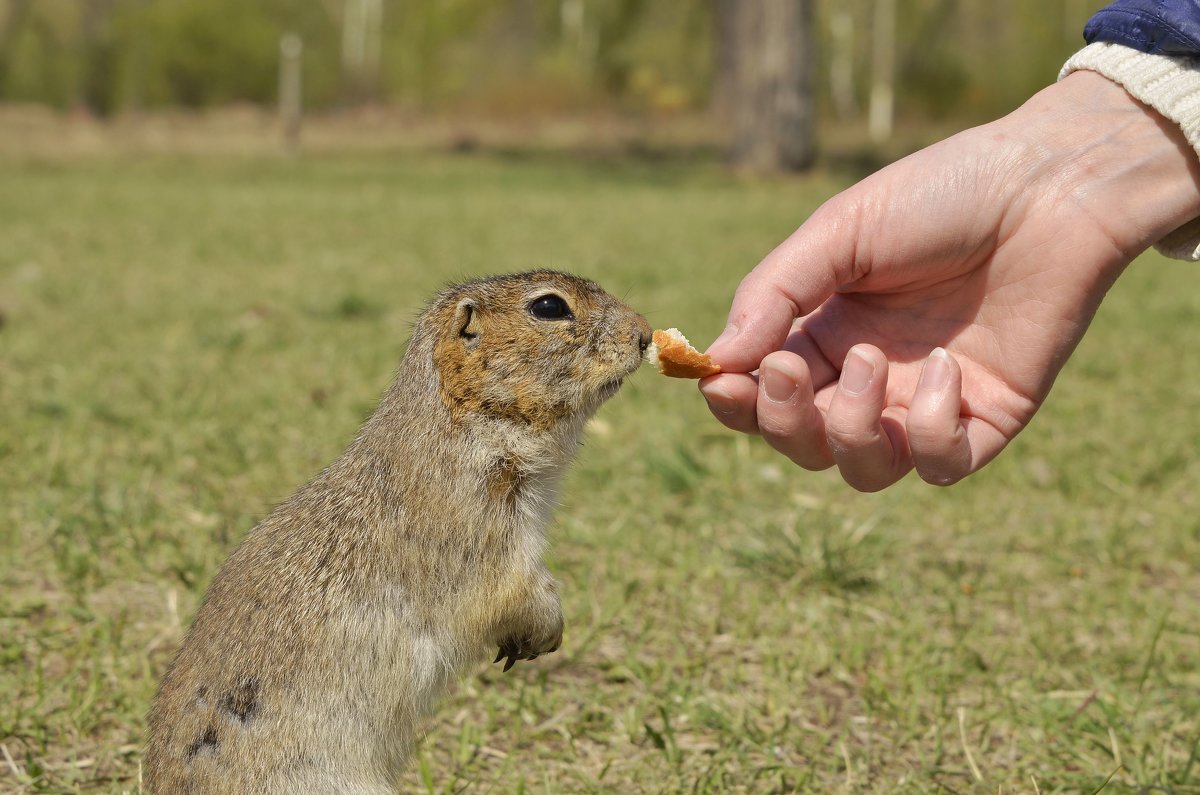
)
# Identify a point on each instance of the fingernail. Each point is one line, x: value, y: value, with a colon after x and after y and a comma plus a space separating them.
x: 778, y: 385
x: 936, y: 372
x: 728, y: 334
x: 720, y: 401
x: 857, y: 373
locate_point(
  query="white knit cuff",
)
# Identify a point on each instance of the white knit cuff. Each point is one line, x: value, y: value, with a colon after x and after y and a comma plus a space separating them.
x: 1170, y: 85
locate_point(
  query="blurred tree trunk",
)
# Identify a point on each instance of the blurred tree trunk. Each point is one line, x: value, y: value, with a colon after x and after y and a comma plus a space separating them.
x: 578, y: 31
x: 513, y: 42
x: 765, y: 49
x: 725, y: 47
x: 612, y: 31
x: 10, y: 26
x: 1075, y: 14
x: 96, y: 91
x: 362, y: 38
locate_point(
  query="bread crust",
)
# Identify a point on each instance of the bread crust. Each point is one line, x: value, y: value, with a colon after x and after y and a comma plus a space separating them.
x: 676, y: 358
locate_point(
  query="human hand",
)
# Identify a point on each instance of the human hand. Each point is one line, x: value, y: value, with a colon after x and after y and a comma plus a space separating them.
x: 918, y: 320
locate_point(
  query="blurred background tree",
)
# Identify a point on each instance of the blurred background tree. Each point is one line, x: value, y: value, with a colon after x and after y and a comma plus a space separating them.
x: 766, y: 61
x: 933, y: 60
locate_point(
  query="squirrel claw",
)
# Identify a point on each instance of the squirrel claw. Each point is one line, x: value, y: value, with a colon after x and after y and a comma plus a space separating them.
x: 521, y: 648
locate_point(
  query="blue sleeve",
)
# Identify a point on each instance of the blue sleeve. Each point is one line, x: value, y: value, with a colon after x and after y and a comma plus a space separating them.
x: 1166, y: 27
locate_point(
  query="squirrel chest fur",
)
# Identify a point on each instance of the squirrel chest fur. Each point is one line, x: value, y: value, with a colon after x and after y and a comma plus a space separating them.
x: 323, y: 642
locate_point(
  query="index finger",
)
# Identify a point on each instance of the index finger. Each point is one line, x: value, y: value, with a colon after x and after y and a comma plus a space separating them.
x: 791, y: 281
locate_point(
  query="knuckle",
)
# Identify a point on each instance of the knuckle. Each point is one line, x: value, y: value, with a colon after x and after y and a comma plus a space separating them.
x: 777, y: 425
x: 941, y: 456
x: 930, y: 439
x: 744, y: 423
x: 804, y: 453
x: 932, y: 447
x: 920, y: 426
x: 735, y: 420
x: 845, y: 437
x: 853, y: 426
x: 870, y: 467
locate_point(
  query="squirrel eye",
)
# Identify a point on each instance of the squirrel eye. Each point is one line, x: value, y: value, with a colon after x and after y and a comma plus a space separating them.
x: 550, y: 307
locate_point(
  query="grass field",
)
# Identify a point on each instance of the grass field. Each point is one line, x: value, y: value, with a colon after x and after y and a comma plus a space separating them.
x: 185, y: 340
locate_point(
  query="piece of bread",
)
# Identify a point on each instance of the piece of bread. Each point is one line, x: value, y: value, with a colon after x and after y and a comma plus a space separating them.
x: 674, y: 356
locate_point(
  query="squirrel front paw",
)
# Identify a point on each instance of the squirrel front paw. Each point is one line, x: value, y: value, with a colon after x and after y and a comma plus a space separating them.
x: 523, y: 649
x: 537, y: 632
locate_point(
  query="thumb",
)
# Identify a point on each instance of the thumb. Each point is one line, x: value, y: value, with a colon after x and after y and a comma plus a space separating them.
x: 793, y: 280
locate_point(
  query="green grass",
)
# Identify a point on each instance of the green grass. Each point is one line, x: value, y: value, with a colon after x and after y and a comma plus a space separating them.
x: 186, y: 340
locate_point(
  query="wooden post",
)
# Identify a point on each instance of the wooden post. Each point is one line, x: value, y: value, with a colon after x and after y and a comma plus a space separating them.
x: 881, y: 112
x: 362, y: 45
x: 290, y: 87
x: 841, y: 61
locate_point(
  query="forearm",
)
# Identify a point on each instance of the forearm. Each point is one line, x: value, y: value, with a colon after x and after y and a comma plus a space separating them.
x: 1124, y: 167
x: 1171, y: 87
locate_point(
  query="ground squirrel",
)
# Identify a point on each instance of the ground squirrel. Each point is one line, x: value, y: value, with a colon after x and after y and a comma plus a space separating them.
x: 327, y: 635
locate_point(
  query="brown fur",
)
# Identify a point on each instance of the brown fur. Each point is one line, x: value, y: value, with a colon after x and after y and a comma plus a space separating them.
x: 324, y: 640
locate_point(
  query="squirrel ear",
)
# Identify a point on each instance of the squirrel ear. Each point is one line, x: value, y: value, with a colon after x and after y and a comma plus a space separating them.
x: 466, y: 320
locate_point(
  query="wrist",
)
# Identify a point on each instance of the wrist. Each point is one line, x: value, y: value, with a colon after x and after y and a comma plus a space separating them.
x: 1126, y: 168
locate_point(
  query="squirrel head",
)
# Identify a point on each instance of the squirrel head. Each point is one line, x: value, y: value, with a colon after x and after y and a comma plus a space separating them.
x: 533, y: 348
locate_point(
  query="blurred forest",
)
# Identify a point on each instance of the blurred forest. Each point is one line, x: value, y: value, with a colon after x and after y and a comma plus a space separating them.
x: 962, y: 60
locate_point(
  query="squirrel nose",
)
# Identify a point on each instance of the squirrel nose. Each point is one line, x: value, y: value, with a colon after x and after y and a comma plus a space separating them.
x: 645, y: 340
